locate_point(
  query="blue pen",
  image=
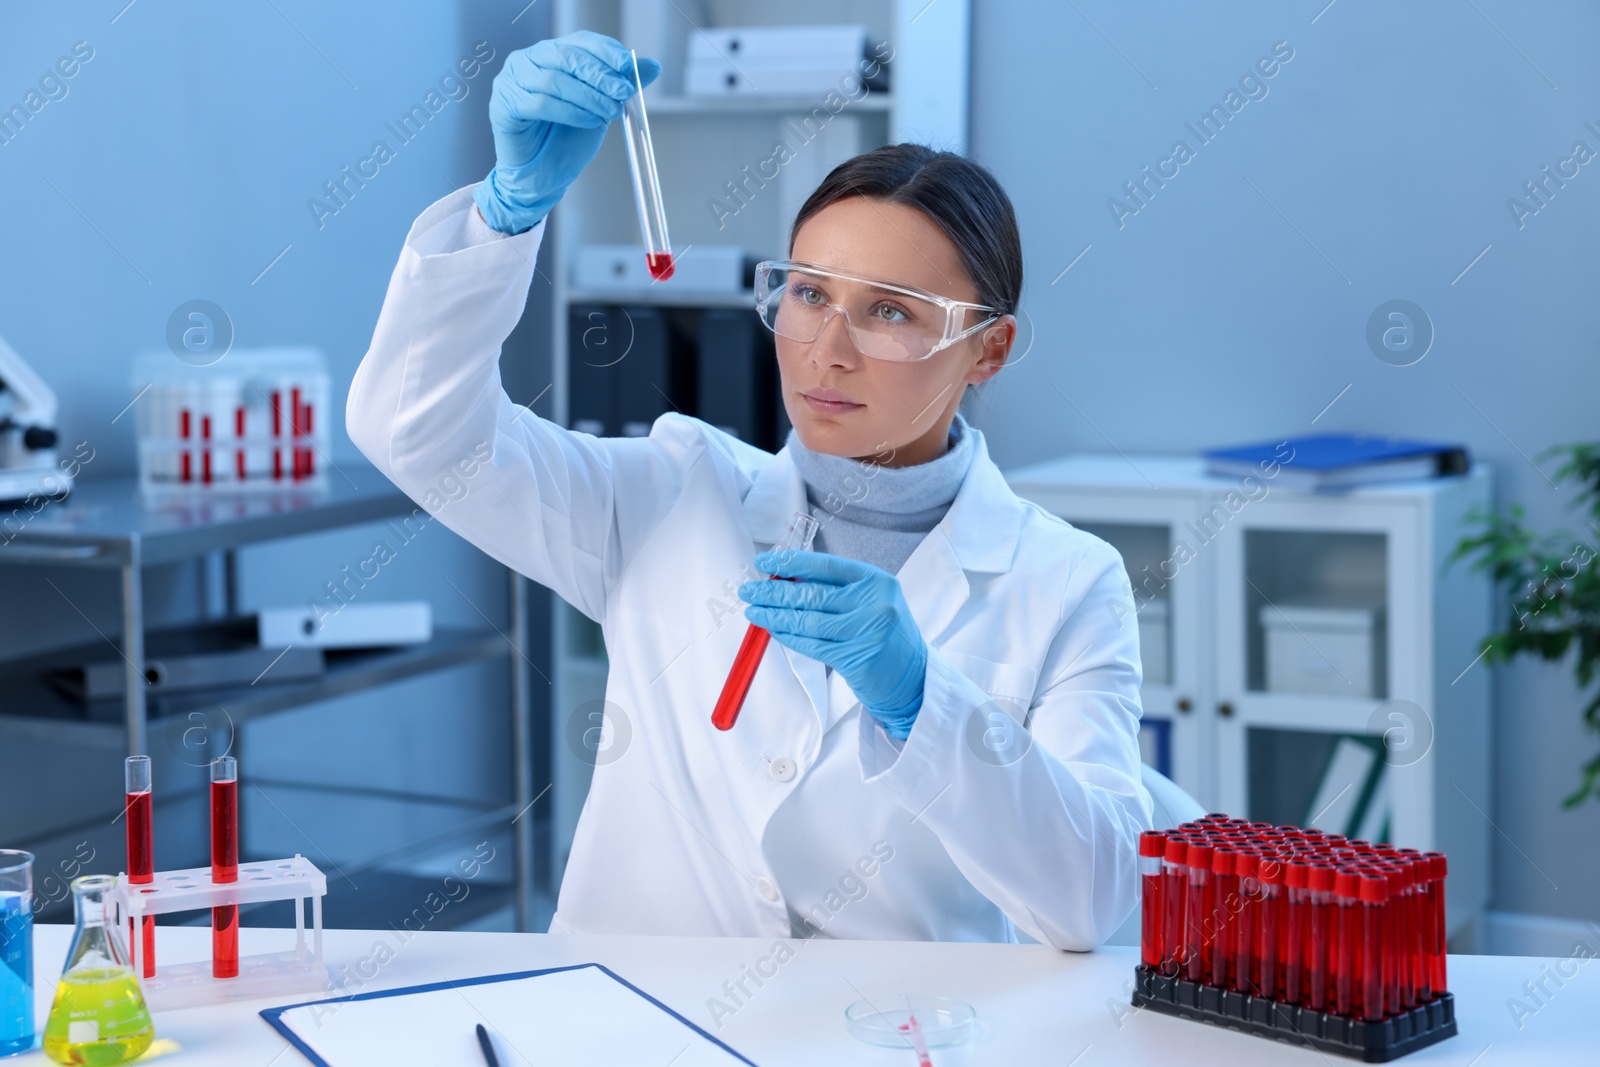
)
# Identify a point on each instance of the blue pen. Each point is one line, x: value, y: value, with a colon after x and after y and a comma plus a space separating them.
x: 488, y: 1047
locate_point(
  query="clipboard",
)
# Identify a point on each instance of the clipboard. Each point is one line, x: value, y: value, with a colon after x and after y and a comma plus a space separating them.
x: 580, y: 1014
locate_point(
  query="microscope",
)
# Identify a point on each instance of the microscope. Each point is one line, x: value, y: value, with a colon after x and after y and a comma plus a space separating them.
x: 28, y: 467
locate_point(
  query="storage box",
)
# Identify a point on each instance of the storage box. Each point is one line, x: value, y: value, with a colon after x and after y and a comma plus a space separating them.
x: 780, y: 61
x: 1329, y: 651
x: 1153, y: 642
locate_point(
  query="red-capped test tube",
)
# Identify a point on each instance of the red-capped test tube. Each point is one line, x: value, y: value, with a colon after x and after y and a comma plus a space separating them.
x: 1223, y: 922
x: 1347, y: 942
x: 1433, y: 907
x: 1199, y: 906
x: 1243, y: 976
x: 1272, y: 927
x: 1297, y: 908
x: 1318, y: 953
x: 1174, y: 890
x: 802, y: 532
x: 141, y: 857
x: 1413, y: 937
x: 225, y: 864
x: 1152, y: 945
x: 1373, y: 893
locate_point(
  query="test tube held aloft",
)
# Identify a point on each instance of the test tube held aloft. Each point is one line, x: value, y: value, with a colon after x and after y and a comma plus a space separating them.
x: 141, y: 859
x: 225, y: 864
x: 802, y: 532
x: 646, y: 181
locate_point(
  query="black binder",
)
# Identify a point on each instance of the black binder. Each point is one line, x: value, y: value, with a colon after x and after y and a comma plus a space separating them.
x: 738, y: 375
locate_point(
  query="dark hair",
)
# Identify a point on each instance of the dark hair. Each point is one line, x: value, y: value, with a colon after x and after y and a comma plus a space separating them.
x: 961, y: 196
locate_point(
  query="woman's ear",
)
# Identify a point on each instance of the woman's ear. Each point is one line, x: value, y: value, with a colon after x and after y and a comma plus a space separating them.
x: 994, y: 347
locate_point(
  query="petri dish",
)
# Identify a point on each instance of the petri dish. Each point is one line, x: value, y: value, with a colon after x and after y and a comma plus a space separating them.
x: 944, y: 1020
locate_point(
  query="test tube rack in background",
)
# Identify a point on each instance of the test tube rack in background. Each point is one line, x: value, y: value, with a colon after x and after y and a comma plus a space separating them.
x: 186, y: 985
x: 254, y: 421
x: 1298, y: 935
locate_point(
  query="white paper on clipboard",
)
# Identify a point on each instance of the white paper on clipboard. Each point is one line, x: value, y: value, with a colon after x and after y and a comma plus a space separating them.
x: 563, y: 1017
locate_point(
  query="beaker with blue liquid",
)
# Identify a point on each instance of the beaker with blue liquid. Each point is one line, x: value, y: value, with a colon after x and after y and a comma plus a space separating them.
x: 16, y: 951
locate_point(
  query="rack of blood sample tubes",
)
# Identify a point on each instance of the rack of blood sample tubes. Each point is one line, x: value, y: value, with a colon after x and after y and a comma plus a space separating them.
x: 1299, y: 935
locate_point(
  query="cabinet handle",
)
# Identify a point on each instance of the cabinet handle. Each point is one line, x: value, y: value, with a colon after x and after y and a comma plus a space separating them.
x: 1225, y: 709
x: 1185, y: 704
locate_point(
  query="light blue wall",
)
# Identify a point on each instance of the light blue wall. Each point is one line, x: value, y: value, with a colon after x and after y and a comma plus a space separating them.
x: 1391, y: 141
x: 188, y: 147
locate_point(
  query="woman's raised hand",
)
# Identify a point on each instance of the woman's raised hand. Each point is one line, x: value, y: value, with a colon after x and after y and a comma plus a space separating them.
x: 549, y: 111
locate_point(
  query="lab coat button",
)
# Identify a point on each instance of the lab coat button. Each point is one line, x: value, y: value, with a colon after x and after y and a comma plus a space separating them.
x: 782, y: 769
x: 767, y: 889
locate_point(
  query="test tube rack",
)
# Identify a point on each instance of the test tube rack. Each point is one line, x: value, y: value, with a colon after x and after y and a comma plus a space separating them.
x: 1295, y: 934
x: 187, y: 985
x: 1374, y: 1042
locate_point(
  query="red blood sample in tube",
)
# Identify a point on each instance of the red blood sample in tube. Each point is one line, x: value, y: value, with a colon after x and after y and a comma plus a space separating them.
x: 225, y: 864
x: 1224, y: 921
x: 1435, y: 919
x: 1373, y: 892
x: 1292, y: 946
x: 277, y: 436
x: 185, y: 460
x: 1174, y: 890
x: 660, y: 264
x: 743, y: 672
x: 1399, y: 973
x: 1243, y: 976
x: 1200, y: 904
x: 1271, y: 928
x: 141, y: 857
x: 1318, y: 954
x: 1152, y: 846
x: 1347, y: 943
x: 205, y: 449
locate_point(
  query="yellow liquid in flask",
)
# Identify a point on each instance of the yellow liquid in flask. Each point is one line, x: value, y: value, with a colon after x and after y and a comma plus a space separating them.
x: 99, y: 1018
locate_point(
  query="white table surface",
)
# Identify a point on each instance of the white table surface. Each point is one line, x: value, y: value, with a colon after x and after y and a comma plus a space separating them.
x: 1036, y: 1006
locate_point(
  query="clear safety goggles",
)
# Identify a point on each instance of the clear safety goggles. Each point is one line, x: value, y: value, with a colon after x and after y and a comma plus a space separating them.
x: 885, y: 320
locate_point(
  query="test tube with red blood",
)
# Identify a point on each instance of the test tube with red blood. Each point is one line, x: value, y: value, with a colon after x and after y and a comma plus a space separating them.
x: 1345, y: 962
x: 1224, y: 921
x: 141, y: 857
x: 1152, y: 846
x: 1373, y: 892
x: 1401, y: 976
x: 205, y: 449
x: 1416, y: 962
x: 1270, y: 931
x: 1434, y: 919
x: 1174, y: 889
x: 1243, y: 966
x: 1297, y: 900
x: 185, y: 458
x: 1318, y: 952
x: 1198, y: 908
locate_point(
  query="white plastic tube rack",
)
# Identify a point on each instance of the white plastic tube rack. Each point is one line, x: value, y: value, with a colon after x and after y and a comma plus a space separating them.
x: 186, y: 985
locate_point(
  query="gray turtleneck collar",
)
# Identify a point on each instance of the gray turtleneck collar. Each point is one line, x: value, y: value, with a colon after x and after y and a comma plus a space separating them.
x: 880, y: 514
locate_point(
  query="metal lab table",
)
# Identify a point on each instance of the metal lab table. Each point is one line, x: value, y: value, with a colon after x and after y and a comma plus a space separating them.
x: 106, y: 524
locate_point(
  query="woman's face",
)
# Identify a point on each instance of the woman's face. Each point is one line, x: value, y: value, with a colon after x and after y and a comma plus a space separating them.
x: 901, y: 412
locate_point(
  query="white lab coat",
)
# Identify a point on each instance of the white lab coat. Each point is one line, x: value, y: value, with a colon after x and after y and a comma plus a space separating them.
x: 806, y: 808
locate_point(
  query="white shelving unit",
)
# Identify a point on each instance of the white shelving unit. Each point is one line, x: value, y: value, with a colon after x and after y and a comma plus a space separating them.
x: 701, y: 146
x: 1230, y: 563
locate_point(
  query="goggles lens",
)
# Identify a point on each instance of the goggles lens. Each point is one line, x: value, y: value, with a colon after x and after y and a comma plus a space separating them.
x: 884, y: 322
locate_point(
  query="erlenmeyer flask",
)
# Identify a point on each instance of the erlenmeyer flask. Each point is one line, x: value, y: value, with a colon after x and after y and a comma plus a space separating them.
x: 99, y: 1015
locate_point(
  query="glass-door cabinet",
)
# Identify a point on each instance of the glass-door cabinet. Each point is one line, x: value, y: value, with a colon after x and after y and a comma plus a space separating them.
x: 1309, y: 657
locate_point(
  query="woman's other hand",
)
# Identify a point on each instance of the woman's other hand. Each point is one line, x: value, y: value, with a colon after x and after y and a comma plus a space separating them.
x: 851, y: 616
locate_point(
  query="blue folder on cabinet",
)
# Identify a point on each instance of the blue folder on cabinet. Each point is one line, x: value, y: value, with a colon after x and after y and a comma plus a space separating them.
x: 560, y: 1017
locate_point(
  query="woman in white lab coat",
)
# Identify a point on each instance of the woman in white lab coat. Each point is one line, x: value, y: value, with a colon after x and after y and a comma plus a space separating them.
x: 940, y: 742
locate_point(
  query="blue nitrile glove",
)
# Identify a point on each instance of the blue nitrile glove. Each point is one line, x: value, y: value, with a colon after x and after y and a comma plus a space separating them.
x: 549, y: 109
x: 851, y: 616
